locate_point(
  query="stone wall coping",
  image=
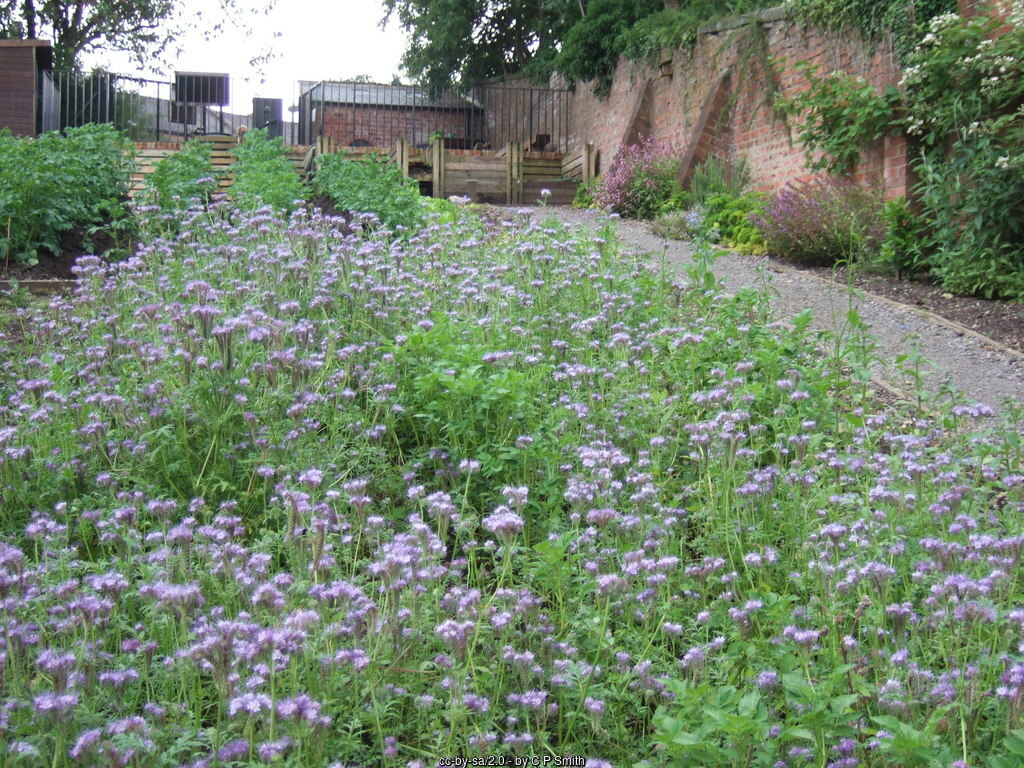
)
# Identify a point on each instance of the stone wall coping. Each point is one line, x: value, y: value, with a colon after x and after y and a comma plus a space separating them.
x: 764, y: 16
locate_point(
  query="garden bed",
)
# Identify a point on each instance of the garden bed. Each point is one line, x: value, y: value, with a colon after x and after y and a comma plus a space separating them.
x: 305, y: 491
x: 1002, y: 321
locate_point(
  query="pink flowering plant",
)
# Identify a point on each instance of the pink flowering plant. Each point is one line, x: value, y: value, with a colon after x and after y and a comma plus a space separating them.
x: 295, y: 491
x: 641, y: 180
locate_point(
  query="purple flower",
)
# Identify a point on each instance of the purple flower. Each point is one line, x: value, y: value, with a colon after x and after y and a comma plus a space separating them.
x: 503, y: 523
x: 249, y: 705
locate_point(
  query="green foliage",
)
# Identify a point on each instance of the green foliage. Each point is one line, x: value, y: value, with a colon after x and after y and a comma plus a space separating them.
x: 592, y: 46
x: 716, y: 726
x: 679, y: 224
x: 674, y: 30
x: 719, y: 177
x: 905, y: 235
x: 965, y: 87
x: 138, y: 27
x: 727, y: 220
x: 370, y: 185
x: 451, y: 41
x: 57, y: 182
x: 460, y: 400
x: 184, y: 177
x: 905, y: 20
x: 840, y: 116
x: 441, y: 211
x: 722, y: 725
x: 263, y: 174
x: 584, y: 197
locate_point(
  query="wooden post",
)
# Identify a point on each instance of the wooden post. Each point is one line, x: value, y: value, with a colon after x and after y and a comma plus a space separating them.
x: 437, y: 164
x: 589, y: 162
x: 324, y: 145
x: 513, y: 173
x: 402, y: 156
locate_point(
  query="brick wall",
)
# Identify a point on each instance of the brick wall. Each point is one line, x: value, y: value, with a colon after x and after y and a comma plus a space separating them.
x: 18, y: 87
x: 384, y: 126
x: 712, y: 102
x: 999, y: 9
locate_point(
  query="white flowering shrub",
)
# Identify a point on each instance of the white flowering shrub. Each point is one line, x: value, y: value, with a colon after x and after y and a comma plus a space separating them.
x: 964, y: 90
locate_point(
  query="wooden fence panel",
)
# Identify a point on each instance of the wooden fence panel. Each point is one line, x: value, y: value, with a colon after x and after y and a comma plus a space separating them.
x: 437, y: 158
x: 511, y: 176
x: 149, y: 153
x: 486, y: 169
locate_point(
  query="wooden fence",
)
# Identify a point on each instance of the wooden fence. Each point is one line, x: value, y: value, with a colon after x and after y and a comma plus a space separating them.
x: 149, y: 153
x: 512, y: 175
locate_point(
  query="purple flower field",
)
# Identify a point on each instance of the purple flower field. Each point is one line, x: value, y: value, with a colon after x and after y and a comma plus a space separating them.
x: 297, y: 492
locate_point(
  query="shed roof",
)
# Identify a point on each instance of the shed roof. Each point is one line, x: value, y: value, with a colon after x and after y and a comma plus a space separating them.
x: 381, y: 95
x: 44, y: 50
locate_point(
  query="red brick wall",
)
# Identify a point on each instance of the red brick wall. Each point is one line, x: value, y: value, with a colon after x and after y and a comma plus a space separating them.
x: 384, y: 126
x: 682, y: 93
x: 1000, y: 9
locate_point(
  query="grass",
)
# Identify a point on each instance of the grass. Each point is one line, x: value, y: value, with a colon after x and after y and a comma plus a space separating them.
x: 281, y: 491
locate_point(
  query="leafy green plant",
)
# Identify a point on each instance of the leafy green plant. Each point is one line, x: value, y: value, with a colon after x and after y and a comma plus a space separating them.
x: 584, y: 197
x: 592, y: 46
x: 442, y: 211
x: 717, y: 726
x: 183, y: 177
x: 902, y: 250
x: 727, y: 220
x: 676, y: 29
x: 679, y: 225
x: 370, y: 185
x: 58, y: 182
x: 840, y: 115
x: 719, y: 177
x: 263, y: 174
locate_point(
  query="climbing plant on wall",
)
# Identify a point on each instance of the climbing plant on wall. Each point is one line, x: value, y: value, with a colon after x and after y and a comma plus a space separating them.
x: 965, y: 107
x: 841, y: 115
x: 904, y: 20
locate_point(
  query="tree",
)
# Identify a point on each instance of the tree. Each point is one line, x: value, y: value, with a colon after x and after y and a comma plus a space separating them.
x: 466, y: 41
x: 142, y: 28
x: 592, y: 46
x: 75, y: 26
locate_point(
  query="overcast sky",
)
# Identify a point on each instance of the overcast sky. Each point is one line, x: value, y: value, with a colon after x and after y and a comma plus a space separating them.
x: 318, y: 40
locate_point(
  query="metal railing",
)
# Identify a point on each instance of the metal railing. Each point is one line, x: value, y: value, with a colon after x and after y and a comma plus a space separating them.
x: 481, y: 117
x: 351, y: 113
x: 147, y: 110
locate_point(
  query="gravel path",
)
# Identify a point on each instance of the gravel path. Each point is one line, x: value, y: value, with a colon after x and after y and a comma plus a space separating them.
x: 978, y: 368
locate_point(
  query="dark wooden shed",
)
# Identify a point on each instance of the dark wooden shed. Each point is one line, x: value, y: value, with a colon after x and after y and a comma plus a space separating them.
x: 21, y: 66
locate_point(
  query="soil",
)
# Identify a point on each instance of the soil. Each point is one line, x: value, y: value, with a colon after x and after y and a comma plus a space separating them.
x: 1002, y: 321
x: 73, y: 244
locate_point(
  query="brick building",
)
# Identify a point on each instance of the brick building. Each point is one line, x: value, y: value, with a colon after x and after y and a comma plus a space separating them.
x: 377, y: 115
x: 22, y: 63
